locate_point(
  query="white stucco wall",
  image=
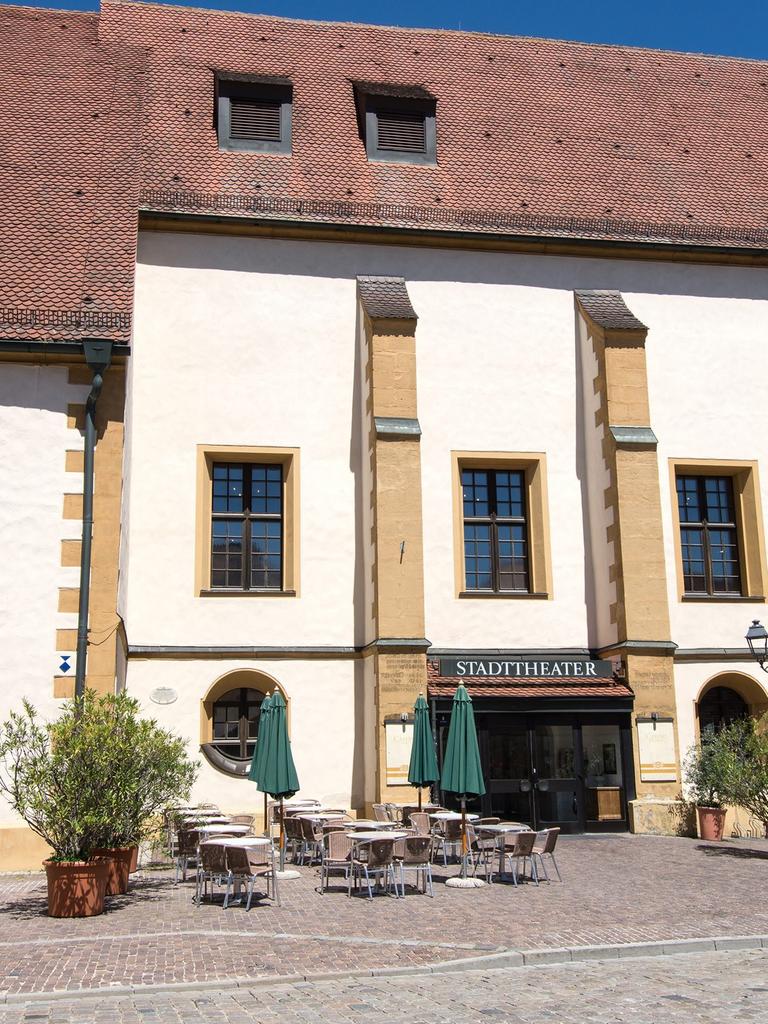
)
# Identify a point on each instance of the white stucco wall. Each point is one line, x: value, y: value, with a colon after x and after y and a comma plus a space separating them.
x: 252, y: 341
x: 325, y: 716
x: 255, y: 342
x: 707, y: 365
x: 33, y: 439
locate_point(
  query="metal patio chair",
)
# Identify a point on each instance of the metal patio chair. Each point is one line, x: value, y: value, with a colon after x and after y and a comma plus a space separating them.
x: 414, y: 853
x: 544, y: 846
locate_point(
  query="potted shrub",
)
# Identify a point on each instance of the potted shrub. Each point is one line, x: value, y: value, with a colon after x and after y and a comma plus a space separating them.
x: 53, y: 776
x: 88, y: 784
x: 706, y: 777
x: 147, y: 768
x: 745, y: 754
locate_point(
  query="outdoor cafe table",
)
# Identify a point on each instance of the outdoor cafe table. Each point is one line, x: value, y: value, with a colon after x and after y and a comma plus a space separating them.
x: 369, y: 837
x: 227, y: 829
x: 500, y: 830
x: 363, y: 823
x: 453, y: 816
x: 318, y: 815
x: 245, y: 841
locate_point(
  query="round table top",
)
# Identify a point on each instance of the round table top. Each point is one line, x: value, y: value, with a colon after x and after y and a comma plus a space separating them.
x: 362, y: 836
x: 503, y: 826
x: 236, y: 841
x: 205, y: 817
x: 318, y: 815
x: 368, y: 823
x: 225, y: 828
x: 453, y: 816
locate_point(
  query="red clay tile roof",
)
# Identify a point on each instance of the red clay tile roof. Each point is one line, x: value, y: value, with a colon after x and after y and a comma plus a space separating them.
x: 535, y: 136
x: 502, y: 686
x: 69, y: 177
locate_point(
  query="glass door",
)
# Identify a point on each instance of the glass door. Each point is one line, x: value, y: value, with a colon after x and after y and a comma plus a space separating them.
x: 557, y: 783
x: 507, y: 758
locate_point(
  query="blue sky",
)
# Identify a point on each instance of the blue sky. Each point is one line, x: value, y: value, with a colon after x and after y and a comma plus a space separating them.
x: 739, y: 28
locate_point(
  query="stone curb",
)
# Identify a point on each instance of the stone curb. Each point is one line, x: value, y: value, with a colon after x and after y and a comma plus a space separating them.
x: 487, y: 962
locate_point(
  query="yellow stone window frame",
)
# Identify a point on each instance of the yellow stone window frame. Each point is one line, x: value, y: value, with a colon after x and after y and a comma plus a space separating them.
x: 288, y: 458
x: 749, y: 524
x: 534, y: 466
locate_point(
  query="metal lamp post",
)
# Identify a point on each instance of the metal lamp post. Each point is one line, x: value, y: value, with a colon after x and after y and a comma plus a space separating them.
x: 757, y: 638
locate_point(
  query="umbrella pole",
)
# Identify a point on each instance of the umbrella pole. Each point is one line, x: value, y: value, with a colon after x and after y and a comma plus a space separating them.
x: 266, y: 823
x: 419, y: 799
x: 282, y: 834
x: 463, y: 836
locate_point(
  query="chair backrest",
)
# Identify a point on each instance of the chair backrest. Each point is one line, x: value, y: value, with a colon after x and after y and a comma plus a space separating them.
x: 242, y: 819
x: 335, y: 825
x: 213, y: 857
x: 523, y: 846
x: 380, y: 853
x: 380, y: 812
x: 261, y: 855
x: 407, y: 811
x: 550, y: 839
x: 451, y: 829
x: 307, y: 830
x: 393, y: 813
x: 417, y: 850
x: 338, y: 846
x: 293, y: 828
x: 420, y: 821
x: 188, y: 840
x: 237, y: 860
x: 481, y: 821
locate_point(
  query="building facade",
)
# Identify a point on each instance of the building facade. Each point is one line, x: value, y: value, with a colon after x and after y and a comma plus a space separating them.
x: 408, y: 391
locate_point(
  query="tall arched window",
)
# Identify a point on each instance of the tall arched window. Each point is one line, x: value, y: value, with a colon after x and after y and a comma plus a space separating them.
x: 236, y: 723
x: 719, y: 707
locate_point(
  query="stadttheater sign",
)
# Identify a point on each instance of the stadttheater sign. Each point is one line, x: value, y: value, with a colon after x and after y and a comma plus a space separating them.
x: 528, y: 668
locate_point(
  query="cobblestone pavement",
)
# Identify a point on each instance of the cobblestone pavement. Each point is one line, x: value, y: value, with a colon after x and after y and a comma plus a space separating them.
x: 693, y: 988
x: 616, y: 889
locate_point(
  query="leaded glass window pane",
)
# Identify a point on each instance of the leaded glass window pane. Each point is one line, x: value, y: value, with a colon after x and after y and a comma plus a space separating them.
x: 708, y: 535
x: 247, y: 526
x: 495, y: 530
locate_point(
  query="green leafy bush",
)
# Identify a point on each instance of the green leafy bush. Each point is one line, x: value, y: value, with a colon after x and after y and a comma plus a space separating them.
x: 706, y: 771
x: 95, y: 776
x: 744, y: 746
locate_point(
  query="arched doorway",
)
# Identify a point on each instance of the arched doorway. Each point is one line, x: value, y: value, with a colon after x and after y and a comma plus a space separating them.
x: 728, y: 697
x: 720, y: 706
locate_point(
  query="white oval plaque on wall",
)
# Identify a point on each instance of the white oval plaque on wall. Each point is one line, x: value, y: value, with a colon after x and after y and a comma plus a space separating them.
x: 163, y: 695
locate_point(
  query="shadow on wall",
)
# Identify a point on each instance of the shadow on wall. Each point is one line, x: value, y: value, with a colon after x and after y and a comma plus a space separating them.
x: 346, y: 260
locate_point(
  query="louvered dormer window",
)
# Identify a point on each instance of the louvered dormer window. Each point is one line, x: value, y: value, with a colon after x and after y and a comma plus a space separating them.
x: 398, y: 122
x: 254, y: 114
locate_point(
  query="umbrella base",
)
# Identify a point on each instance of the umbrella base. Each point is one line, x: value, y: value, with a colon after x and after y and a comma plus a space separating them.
x: 465, y: 883
x: 287, y: 875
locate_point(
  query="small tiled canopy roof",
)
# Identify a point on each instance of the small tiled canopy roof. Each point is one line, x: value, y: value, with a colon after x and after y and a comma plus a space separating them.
x: 385, y: 297
x: 609, y: 310
x: 69, y: 177
x: 502, y: 686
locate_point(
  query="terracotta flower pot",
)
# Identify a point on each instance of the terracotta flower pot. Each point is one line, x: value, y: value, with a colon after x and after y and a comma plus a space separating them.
x: 76, y: 888
x: 118, y: 858
x: 134, y: 859
x: 711, y: 822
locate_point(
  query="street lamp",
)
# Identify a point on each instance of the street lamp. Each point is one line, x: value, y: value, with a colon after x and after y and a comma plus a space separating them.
x: 757, y: 638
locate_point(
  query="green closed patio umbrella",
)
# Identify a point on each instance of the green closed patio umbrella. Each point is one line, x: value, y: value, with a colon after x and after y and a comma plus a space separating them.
x: 422, y: 770
x: 277, y: 773
x: 262, y: 742
x: 462, y: 773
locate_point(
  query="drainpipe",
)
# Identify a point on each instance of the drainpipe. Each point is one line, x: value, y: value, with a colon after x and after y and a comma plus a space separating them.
x: 98, y: 355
